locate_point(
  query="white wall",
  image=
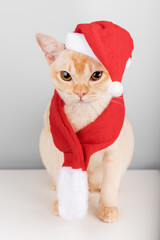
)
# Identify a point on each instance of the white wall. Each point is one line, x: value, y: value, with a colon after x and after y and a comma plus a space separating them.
x: 25, y: 86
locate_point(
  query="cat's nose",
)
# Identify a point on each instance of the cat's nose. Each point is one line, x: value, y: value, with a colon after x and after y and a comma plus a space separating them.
x: 80, y: 94
x: 81, y: 90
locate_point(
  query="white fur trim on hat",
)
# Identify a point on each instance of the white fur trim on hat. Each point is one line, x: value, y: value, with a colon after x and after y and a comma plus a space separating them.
x: 78, y: 43
x: 128, y: 63
x: 115, y: 89
x: 72, y: 190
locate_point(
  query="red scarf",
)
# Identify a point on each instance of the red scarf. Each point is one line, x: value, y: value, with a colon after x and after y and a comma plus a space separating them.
x: 100, y: 134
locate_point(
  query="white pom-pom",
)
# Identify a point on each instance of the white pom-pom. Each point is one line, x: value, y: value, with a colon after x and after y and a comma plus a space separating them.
x: 128, y: 63
x: 115, y: 89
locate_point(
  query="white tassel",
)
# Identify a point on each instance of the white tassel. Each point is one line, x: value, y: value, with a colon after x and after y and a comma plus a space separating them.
x: 72, y: 193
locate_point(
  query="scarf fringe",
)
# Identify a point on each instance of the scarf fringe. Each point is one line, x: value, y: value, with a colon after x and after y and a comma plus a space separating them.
x: 72, y: 193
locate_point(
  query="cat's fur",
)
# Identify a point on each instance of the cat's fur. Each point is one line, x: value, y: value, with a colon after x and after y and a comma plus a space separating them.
x: 106, y: 166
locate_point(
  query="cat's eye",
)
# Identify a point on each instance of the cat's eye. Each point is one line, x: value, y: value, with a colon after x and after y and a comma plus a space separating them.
x: 65, y: 76
x: 96, y: 75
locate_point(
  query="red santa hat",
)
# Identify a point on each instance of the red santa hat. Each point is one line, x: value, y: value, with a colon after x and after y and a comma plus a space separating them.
x: 112, y: 46
x: 108, y: 43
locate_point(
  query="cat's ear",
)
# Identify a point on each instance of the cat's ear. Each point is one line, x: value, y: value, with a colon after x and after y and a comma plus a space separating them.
x: 50, y: 46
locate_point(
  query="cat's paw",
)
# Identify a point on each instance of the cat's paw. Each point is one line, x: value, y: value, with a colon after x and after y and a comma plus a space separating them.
x: 108, y: 214
x: 55, y: 208
x: 53, y: 185
x: 93, y: 187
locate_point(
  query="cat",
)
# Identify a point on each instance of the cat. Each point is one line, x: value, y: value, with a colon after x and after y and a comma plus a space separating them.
x: 82, y: 83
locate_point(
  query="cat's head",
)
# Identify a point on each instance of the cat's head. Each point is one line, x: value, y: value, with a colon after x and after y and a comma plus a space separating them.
x: 78, y: 78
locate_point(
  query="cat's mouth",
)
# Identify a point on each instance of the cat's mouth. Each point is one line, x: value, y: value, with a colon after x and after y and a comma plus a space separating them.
x: 85, y: 100
x: 81, y: 100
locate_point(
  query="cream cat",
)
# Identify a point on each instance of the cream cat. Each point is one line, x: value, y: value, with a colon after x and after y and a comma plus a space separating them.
x: 82, y: 82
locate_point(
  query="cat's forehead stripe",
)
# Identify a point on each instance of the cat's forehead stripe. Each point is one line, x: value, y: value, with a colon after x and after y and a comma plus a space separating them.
x: 79, y: 62
x: 83, y: 63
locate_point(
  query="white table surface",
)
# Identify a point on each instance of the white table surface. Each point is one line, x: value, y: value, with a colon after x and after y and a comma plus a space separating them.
x: 26, y: 200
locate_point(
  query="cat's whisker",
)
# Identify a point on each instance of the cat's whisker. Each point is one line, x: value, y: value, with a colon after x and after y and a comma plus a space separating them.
x: 114, y: 101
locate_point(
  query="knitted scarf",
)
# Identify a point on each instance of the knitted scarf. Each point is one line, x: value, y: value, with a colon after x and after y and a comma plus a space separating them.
x: 100, y: 134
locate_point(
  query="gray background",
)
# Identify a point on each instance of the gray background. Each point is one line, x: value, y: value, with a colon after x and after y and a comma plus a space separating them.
x: 25, y: 86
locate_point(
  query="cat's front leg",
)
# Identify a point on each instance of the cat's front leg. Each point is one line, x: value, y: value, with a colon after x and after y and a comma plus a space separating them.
x: 112, y: 171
